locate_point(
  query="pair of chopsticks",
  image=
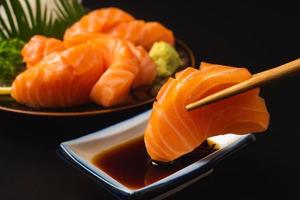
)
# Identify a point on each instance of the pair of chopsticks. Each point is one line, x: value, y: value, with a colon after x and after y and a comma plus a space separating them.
x: 256, y: 80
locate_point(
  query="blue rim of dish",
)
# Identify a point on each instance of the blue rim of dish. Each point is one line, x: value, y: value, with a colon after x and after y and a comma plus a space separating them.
x: 189, y: 173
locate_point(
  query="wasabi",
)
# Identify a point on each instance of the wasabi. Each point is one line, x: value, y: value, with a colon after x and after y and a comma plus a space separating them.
x: 166, y: 58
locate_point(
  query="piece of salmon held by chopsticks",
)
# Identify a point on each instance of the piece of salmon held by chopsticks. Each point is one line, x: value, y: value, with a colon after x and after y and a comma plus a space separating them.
x: 98, y: 21
x: 61, y: 79
x: 172, y: 131
x: 39, y: 47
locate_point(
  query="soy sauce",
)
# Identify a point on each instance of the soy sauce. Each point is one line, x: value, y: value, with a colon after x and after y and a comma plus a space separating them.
x: 130, y: 164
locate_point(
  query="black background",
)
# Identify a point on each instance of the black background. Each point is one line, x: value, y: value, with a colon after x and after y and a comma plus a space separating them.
x: 255, y: 35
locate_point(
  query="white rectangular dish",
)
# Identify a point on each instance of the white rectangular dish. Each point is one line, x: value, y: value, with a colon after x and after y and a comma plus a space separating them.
x: 81, y: 151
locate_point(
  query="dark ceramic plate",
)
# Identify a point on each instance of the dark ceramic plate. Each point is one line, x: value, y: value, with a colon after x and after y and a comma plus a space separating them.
x: 138, y: 97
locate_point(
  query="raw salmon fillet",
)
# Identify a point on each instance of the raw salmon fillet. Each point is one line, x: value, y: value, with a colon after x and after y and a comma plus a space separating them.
x: 61, y: 79
x: 121, y: 66
x: 99, y: 21
x: 127, y: 66
x: 118, y: 23
x: 121, y: 70
x: 173, y: 132
x: 82, y: 38
x: 143, y: 33
x: 38, y: 47
x: 147, y: 68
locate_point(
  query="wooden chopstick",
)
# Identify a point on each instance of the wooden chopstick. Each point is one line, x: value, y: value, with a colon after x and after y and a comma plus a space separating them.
x: 255, y: 81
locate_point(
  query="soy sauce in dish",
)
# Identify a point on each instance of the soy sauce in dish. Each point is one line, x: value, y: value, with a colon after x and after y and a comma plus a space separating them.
x: 129, y: 163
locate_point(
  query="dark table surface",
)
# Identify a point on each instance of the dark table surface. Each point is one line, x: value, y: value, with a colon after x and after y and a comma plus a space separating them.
x: 255, y: 35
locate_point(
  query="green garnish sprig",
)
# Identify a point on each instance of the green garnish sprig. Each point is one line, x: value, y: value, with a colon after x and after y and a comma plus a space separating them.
x: 11, y: 63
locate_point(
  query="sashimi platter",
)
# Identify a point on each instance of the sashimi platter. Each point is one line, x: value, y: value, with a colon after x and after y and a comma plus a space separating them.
x: 107, y: 60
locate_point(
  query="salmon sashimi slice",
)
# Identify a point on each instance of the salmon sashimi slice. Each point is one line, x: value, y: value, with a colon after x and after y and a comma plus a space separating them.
x: 81, y: 38
x: 38, y: 47
x: 173, y: 132
x: 121, y: 70
x: 118, y: 23
x: 126, y: 66
x: 147, y: 68
x: 60, y: 79
x: 131, y: 30
x: 99, y: 21
x: 143, y: 33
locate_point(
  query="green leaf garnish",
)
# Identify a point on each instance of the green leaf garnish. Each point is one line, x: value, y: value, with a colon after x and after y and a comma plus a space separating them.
x: 24, y: 21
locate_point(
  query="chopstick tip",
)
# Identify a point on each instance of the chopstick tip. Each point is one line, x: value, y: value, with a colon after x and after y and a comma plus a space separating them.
x: 189, y: 107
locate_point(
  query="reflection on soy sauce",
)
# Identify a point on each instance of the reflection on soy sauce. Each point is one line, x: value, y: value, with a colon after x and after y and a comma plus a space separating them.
x: 130, y: 164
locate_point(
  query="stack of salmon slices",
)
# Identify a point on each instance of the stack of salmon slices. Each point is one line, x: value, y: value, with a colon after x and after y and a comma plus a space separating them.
x: 107, y: 46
